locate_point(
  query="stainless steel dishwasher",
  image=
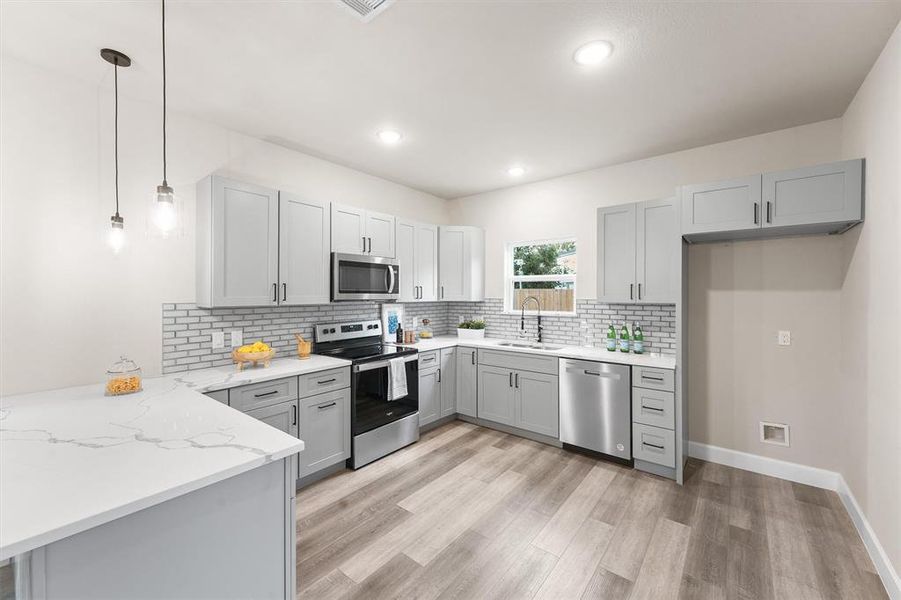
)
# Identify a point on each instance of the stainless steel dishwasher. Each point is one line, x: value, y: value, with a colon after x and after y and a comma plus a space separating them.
x: 596, y: 406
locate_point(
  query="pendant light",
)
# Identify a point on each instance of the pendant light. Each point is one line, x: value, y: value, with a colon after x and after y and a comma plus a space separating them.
x: 165, y: 209
x: 116, y: 235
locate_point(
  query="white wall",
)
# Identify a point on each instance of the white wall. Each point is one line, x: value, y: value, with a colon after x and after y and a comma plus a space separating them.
x: 871, y: 305
x: 68, y: 307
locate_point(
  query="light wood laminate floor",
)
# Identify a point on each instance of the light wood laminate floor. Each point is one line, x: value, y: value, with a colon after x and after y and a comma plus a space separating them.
x: 469, y: 512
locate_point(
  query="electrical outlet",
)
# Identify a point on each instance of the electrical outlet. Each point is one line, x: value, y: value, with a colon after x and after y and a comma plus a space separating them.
x: 218, y: 339
x: 784, y: 338
x: 237, y: 338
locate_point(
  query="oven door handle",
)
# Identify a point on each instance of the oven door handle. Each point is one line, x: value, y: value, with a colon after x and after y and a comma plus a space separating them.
x: 380, y: 364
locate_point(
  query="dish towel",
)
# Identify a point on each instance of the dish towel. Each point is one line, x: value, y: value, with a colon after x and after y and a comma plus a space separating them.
x: 397, y: 379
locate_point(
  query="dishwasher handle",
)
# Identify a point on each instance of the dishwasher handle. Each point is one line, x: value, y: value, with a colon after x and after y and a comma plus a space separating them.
x: 604, y: 374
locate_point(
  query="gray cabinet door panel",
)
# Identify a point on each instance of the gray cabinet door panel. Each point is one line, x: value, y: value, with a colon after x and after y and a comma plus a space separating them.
x: 282, y: 416
x: 348, y: 229
x: 303, y: 250
x: 429, y: 396
x: 406, y: 261
x: 721, y: 206
x: 427, y: 262
x: 496, y: 398
x: 325, y: 430
x: 267, y: 393
x: 380, y: 234
x: 448, y: 380
x: 658, y: 247
x: 818, y: 194
x: 537, y: 403
x: 518, y: 361
x: 616, y: 253
x: 467, y: 381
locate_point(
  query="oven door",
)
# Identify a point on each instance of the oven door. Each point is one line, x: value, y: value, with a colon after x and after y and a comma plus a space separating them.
x: 358, y: 277
x: 369, y: 388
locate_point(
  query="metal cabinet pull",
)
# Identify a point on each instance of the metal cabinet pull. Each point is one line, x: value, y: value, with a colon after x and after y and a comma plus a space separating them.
x: 324, y: 381
x: 652, y: 445
x: 439, y: 375
x: 442, y: 292
x: 265, y: 394
x: 294, y: 411
x: 275, y: 292
x: 587, y: 372
x: 769, y: 212
x: 639, y: 291
x: 284, y: 292
x: 324, y: 406
x: 756, y: 210
x: 370, y: 245
x: 643, y: 407
x: 652, y: 378
x: 473, y: 357
x: 511, y: 378
x: 516, y: 385
x: 364, y: 245
x: 631, y: 291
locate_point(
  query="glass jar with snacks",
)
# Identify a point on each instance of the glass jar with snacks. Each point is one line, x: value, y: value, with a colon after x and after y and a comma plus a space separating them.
x: 425, y: 332
x: 124, y: 377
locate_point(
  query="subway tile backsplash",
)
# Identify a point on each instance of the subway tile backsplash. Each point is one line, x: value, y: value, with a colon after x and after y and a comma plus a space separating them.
x: 187, y: 329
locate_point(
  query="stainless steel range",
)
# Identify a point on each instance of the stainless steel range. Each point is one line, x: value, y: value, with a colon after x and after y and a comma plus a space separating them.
x: 380, y: 424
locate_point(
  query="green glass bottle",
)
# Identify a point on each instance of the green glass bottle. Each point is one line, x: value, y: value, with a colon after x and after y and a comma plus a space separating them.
x: 637, y: 339
x: 611, y: 338
x: 624, y: 339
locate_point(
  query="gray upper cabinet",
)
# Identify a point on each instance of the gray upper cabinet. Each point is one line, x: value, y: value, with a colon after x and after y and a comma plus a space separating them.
x: 237, y: 243
x: 303, y: 250
x: 325, y: 430
x: 830, y: 193
x: 447, y: 377
x: 359, y: 231
x: 826, y: 198
x: 616, y: 253
x: 461, y: 261
x: 722, y: 206
x: 467, y: 378
x: 638, y: 252
x: 417, y: 257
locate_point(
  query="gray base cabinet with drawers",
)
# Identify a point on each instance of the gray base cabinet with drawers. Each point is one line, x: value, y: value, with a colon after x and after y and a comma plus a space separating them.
x: 654, y: 420
x: 437, y: 385
x: 519, y: 390
x: 314, y: 407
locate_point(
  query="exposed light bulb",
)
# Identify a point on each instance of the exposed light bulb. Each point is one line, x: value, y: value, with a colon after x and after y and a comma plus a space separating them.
x: 116, y: 236
x: 165, y: 216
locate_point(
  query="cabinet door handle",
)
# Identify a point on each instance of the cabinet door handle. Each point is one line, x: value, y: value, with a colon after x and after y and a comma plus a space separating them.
x: 511, y: 378
x: 756, y: 210
x: 370, y: 245
x: 284, y: 292
x: 652, y: 445
x: 275, y: 292
x: 324, y: 381
x: 329, y: 405
x: 639, y: 291
x: 516, y: 385
x: 364, y: 245
x: 294, y: 411
x: 442, y: 292
x: 473, y: 357
x: 631, y: 291
x: 265, y: 394
x: 643, y: 407
x: 652, y: 378
x: 439, y: 375
x: 769, y: 211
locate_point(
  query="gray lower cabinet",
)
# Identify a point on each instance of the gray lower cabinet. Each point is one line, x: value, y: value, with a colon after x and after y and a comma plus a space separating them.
x: 325, y: 430
x: 537, y: 403
x: 429, y: 395
x: 654, y: 419
x: 447, y: 378
x: 220, y: 395
x: 467, y: 381
x: 497, y: 397
x: 282, y: 416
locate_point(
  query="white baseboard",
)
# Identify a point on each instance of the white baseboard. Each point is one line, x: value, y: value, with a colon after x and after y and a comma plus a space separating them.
x: 820, y: 478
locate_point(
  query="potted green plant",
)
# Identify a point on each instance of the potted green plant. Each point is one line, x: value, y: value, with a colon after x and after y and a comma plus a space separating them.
x: 472, y: 329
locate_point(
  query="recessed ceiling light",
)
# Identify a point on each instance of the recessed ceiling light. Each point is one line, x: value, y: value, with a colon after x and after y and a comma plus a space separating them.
x: 593, y: 53
x: 516, y: 171
x: 390, y: 136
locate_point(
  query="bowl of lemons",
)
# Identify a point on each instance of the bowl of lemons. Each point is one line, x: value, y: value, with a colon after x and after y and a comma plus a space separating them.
x: 254, y: 354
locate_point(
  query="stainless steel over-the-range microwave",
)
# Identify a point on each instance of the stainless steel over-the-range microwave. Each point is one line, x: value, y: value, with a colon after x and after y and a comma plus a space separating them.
x: 361, y: 277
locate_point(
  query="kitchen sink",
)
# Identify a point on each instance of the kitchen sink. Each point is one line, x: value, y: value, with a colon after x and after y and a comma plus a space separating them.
x: 530, y: 345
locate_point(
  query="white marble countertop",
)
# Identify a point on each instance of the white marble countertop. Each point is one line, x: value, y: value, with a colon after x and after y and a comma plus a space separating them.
x: 658, y: 361
x: 73, y: 459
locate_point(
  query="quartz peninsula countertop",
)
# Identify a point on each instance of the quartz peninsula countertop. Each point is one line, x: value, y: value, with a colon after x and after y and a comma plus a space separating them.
x: 658, y: 361
x: 73, y: 459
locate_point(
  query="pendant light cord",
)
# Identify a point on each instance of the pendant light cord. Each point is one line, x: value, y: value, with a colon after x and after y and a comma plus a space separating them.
x: 164, y: 92
x: 116, y: 130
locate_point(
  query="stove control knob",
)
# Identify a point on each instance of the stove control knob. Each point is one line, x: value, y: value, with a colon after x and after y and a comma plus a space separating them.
x: 331, y: 330
x: 325, y: 331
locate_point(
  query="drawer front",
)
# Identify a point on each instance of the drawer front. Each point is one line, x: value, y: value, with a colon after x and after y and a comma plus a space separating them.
x: 519, y: 361
x: 654, y: 445
x: 653, y: 407
x: 220, y: 395
x: 325, y: 430
x: 655, y: 379
x: 324, y: 381
x: 427, y: 360
x: 257, y: 395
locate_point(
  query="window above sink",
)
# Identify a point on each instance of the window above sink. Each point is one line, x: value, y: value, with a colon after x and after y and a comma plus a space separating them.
x: 544, y: 269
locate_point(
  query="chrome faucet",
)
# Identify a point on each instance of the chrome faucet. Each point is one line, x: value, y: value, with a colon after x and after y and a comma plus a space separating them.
x: 522, y: 318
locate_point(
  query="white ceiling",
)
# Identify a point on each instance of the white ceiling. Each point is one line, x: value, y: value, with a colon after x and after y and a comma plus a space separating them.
x: 474, y: 86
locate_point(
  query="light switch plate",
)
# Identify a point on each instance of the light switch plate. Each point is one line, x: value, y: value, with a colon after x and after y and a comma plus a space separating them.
x: 785, y: 338
x: 237, y: 338
x: 218, y: 339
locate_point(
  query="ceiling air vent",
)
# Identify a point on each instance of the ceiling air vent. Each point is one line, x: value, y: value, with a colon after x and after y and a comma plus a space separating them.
x: 366, y: 10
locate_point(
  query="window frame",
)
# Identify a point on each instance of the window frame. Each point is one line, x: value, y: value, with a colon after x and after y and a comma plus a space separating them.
x: 510, y: 279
